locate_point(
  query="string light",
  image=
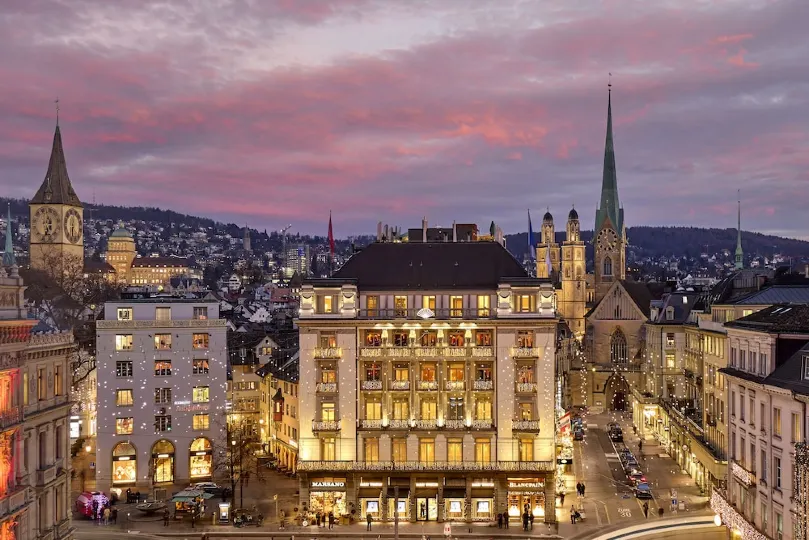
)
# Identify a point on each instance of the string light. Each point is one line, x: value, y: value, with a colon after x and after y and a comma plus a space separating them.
x: 800, y: 489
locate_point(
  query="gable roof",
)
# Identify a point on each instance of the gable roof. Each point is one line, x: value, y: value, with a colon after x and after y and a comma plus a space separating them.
x: 780, y: 318
x: 682, y: 302
x: 643, y: 293
x: 414, y: 266
x: 56, y: 188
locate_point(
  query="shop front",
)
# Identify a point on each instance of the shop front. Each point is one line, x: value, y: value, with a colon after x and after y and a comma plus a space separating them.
x: 482, y: 507
x: 402, y: 504
x: 426, y: 500
x: 526, y: 495
x: 124, y: 465
x: 454, y: 504
x: 200, y: 459
x: 328, y: 495
x: 163, y: 462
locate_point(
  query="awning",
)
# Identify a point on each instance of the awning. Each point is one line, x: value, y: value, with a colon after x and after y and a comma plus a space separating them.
x: 455, y: 493
x: 182, y: 499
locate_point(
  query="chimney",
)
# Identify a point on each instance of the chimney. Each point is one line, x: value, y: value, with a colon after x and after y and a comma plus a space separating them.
x: 379, y: 232
x: 454, y: 232
x: 424, y: 229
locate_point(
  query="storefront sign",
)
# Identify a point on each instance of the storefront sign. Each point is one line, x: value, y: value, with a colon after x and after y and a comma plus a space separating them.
x: 194, y: 407
x: 564, y: 461
x: 526, y: 485
x: 328, y: 484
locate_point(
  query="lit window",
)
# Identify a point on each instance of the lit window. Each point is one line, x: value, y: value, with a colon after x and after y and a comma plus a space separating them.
x: 483, y: 450
x: 200, y: 313
x: 201, y: 422
x: 123, y: 426
x: 162, y: 423
x: 371, y: 447
x: 526, y: 447
x: 427, y: 302
x: 328, y: 340
x: 776, y: 422
x: 123, y: 342
x: 455, y: 450
x: 525, y: 339
x: 327, y: 411
x: 123, y: 368
x: 162, y: 314
x: 483, y: 305
x: 201, y: 341
x: 162, y: 368
x: 162, y: 395
x: 456, y: 306
x: 200, y: 366
x: 427, y: 450
x: 125, y: 314
x: 400, y: 306
x: 399, y: 452
x: 525, y: 303
x: 669, y: 340
x: 162, y: 342
x: 372, y: 305
x: 201, y: 394
x: 124, y: 398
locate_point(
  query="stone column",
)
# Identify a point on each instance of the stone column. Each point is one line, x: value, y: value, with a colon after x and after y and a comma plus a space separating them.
x: 468, y: 502
x: 550, y: 498
x: 440, y: 518
x: 413, y: 506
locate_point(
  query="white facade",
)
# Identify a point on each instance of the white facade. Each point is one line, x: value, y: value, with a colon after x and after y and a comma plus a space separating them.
x: 162, y: 382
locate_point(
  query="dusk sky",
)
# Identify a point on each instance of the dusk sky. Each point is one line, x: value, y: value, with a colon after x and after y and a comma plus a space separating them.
x: 270, y: 112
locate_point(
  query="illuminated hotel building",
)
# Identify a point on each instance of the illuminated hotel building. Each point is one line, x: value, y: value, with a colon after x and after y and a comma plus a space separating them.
x: 147, y: 271
x: 428, y: 367
x: 162, y: 379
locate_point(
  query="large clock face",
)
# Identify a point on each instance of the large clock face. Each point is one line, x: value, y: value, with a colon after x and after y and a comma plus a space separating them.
x: 46, y: 224
x: 73, y: 226
x: 607, y: 240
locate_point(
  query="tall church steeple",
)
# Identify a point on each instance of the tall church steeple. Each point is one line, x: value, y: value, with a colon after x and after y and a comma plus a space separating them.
x: 610, y: 206
x: 56, y: 188
x: 739, y: 252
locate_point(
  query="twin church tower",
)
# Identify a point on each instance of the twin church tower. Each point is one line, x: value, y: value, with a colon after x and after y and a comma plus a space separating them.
x: 566, y: 264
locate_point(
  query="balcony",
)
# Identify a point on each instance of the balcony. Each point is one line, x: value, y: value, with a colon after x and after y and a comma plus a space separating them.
x: 483, y: 385
x: 425, y: 314
x: 326, y: 388
x: 418, y: 466
x: 379, y: 352
x: 426, y: 424
x: 743, y: 475
x: 454, y: 386
x: 11, y: 416
x: 483, y: 424
x: 370, y: 424
x: 371, y: 385
x: 524, y: 352
x: 427, y: 385
x: 399, y: 424
x: 526, y: 387
x: 530, y: 426
x: 328, y: 352
x: 399, y: 385
x: 46, y: 475
x: 427, y: 352
x: 454, y: 424
x: 482, y: 352
x: 325, y: 425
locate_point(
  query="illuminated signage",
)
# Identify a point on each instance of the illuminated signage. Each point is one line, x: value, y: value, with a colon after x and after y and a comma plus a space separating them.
x: 527, y: 485
x: 328, y: 484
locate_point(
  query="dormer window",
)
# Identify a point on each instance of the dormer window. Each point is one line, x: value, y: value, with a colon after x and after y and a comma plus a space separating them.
x: 806, y: 367
x: 670, y: 313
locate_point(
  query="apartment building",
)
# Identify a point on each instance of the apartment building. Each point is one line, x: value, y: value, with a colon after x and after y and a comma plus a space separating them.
x: 428, y: 367
x: 162, y: 381
x: 768, y: 389
x: 247, y: 351
x: 34, y: 408
x: 280, y: 411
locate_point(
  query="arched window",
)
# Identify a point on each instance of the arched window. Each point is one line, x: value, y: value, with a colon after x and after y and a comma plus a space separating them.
x: 162, y: 462
x: 124, y: 464
x: 618, y: 347
x: 201, y: 459
x: 607, y: 266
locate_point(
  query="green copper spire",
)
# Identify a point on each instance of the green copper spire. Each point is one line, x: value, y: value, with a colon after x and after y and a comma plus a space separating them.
x: 610, y: 207
x: 739, y: 252
x: 8, y: 254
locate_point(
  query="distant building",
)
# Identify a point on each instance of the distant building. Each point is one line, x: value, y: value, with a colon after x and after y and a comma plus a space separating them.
x: 279, y: 411
x: 298, y: 260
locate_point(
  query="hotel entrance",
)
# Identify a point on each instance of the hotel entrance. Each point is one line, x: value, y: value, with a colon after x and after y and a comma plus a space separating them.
x: 426, y: 508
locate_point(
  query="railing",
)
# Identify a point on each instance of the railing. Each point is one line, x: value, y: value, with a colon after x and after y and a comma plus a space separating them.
x: 371, y: 385
x: 524, y: 352
x: 742, y: 474
x: 426, y: 424
x: 454, y: 386
x: 426, y: 351
x: 526, y: 387
x: 426, y: 313
x: 482, y: 352
x: 483, y: 424
x: 326, y: 387
x: 371, y: 424
x: 46, y: 475
x: 327, y: 352
x: 418, y: 351
x: 325, y: 425
x: 11, y: 416
x: 399, y: 424
x: 454, y: 424
x: 400, y: 385
x: 418, y: 466
x: 483, y: 385
x: 184, y: 323
x: 427, y: 385
x: 525, y: 425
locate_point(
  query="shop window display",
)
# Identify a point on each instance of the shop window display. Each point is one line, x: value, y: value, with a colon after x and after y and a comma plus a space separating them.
x: 201, y: 459
x: 124, y: 464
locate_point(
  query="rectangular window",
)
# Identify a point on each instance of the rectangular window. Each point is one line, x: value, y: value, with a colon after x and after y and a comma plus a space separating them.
x: 455, y: 450
x: 201, y: 422
x: 399, y: 449
x: 201, y: 394
x: 428, y: 302
x: 162, y: 422
x: 328, y: 374
x: 57, y: 381
x: 776, y: 471
x: 124, y: 398
x: 525, y: 303
x: 741, y: 408
x: 796, y: 427
x: 25, y: 388
x: 525, y: 339
x: 456, y: 306
x: 201, y: 341
x: 483, y: 450
x: 373, y: 410
x: 123, y: 342
x: 329, y: 304
x: 162, y: 368
x: 124, y: 426
x: 671, y: 360
x: 328, y: 449
x: 526, y: 449
x: 753, y: 457
x: 427, y: 450
x: 806, y: 367
x: 400, y: 306
x: 371, y: 447
x: 401, y: 373
x: 328, y: 340
x: 765, y: 366
x: 428, y: 372
x: 779, y: 526
x: 762, y: 416
x: 456, y: 410
x: 669, y: 340
x: 124, y: 313
x: 123, y: 368
x: 162, y: 342
x: 373, y: 371
x: 525, y: 411
x: 776, y: 422
x: 327, y: 411
x: 733, y: 357
x: 201, y: 313
x: 372, y: 305
x: 162, y: 395
x: 455, y: 372
x: 733, y: 403
x: 752, y: 411
x: 483, y: 409
x: 401, y: 409
x: 199, y: 366
x: 763, y: 471
x: 483, y: 305
x: 162, y: 313
x: 743, y: 360
x: 483, y: 338
x: 429, y: 410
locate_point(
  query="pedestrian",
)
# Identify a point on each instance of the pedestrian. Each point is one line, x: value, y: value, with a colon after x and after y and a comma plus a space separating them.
x: 369, y: 519
x: 505, y: 520
x: 646, y: 510
x: 578, y: 489
x: 572, y: 514
x: 317, y: 518
x: 107, y: 515
x: 640, y: 446
x: 331, y: 520
x: 128, y: 495
x: 525, y: 520
x: 499, y: 521
x: 561, y: 498
x: 166, y: 517
x: 531, y: 521
x: 115, y: 515
x: 582, y: 489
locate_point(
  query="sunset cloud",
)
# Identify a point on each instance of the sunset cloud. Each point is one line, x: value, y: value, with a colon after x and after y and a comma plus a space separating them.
x: 277, y: 112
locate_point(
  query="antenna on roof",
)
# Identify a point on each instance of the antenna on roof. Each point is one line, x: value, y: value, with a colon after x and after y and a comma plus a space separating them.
x: 57, y: 110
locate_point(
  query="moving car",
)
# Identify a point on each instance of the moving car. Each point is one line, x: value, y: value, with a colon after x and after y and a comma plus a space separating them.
x: 616, y: 434
x: 636, y: 477
x: 643, y: 491
x: 578, y: 434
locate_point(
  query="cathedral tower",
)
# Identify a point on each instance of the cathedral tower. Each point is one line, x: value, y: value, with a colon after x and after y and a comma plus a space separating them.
x: 57, y: 229
x: 573, y: 296
x: 548, y: 250
x: 609, y: 238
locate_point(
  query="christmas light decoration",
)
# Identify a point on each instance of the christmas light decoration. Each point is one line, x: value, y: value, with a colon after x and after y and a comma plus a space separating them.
x: 800, y: 488
x: 732, y: 519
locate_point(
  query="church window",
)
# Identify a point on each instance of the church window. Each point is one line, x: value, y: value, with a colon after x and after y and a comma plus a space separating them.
x: 567, y: 272
x: 607, y: 266
x: 618, y: 347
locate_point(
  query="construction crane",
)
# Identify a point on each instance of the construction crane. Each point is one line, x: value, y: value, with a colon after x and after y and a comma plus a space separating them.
x: 283, y: 233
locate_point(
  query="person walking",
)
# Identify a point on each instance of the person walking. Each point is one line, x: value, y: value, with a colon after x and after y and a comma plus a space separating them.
x: 114, y: 515
x: 499, y: 521
x: 317, y: 518
x: 646, y: 510
x: 578, y: 489
x: 561, y: 498
x: 369, y: 519
x: 166, y: 517
x: 572, y: 514
x: 531, y: 521
x: 505, y: 520
x: 582, y: 489
x: 640, y: 446
x: 525, y: 520
x: 107, y: 515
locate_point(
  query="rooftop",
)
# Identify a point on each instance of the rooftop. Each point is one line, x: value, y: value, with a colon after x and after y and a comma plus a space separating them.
x: 780, y: 318
x: 777, y: 294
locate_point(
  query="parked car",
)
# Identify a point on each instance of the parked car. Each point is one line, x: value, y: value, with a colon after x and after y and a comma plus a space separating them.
x: 207, y: 487
x: 616, y: 434
x: 636, y: 477
x: 643, y: 491
x: 578, y: 435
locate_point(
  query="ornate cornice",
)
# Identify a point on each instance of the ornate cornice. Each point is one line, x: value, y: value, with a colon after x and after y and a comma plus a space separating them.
x: 121, y: 325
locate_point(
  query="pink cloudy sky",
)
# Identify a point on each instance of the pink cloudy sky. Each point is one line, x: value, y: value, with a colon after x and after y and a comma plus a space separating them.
x: 276, y: 111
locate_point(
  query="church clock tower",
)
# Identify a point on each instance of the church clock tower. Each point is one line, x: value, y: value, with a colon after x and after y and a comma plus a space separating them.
x: 57, y: 226
x: 609, y: 239
x: 573, y: 297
